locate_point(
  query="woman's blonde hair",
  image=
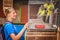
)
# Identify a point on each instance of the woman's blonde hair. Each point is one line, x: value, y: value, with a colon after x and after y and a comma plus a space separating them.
x: 8, y: 10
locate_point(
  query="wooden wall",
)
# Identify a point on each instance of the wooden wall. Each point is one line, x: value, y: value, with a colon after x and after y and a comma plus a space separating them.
x: 1, y: 9
x: 24, y: 14
x: 22, y: 10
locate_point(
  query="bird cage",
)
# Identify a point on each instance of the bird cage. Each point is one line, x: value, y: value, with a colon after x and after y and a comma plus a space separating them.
x: 37, y: 22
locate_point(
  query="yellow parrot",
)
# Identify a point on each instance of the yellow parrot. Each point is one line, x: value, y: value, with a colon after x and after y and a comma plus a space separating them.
x: 49, y: 8
x: 41, y: 12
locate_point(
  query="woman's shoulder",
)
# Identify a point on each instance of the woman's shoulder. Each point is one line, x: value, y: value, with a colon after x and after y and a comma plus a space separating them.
x: 7, y: 24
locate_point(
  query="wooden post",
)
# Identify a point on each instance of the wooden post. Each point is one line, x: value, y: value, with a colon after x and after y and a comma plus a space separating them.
x: 58, y: 32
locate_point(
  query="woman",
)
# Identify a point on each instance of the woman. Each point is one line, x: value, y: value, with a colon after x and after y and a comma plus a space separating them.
x: 9, y: 28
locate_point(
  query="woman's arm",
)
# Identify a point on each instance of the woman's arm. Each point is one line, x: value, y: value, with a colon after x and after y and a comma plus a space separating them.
x: 18, y: 36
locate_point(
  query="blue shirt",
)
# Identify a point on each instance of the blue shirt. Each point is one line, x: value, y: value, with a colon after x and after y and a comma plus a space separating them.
x: 10, y: 28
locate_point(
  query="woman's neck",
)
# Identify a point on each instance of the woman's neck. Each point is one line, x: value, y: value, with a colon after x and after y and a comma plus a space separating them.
x: 9, y: 19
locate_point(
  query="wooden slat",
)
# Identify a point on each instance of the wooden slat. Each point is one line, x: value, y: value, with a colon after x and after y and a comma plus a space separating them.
x: 41, y: 33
